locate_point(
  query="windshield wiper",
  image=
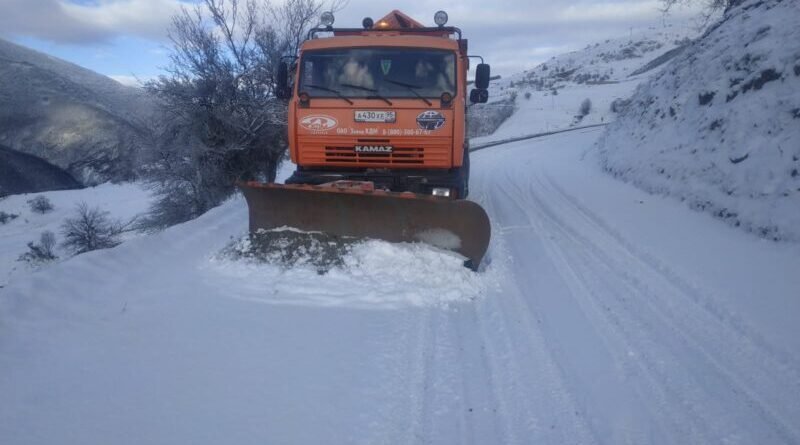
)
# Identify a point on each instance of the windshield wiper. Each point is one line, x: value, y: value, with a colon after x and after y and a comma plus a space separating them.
x: 371, y: 90
x: 320, y: 87
x: 412, y: 88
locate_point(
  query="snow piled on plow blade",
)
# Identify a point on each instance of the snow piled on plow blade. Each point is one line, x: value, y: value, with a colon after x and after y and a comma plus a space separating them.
x: 313, y: 269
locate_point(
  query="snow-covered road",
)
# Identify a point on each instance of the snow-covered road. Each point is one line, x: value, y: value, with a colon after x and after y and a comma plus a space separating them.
x: 604, y: 315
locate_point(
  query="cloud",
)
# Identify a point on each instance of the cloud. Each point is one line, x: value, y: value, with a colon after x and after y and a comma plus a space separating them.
x: 512, y: 34
x: 64, y: 21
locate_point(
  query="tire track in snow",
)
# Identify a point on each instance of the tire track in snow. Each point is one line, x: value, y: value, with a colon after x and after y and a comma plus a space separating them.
x: 608, y: 271
x: 754, y: 372
x: 530, y: 388
x: 703, y: 299
x: 447, y: 421
x: 570, y: 295
x: 655, y: 398
x: 419, y: 361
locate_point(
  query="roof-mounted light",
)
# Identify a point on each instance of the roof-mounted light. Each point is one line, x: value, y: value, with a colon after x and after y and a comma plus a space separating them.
x: 440, y: 18
x: 327, y: 18
x: 383, y: 24
x: 367, y: 23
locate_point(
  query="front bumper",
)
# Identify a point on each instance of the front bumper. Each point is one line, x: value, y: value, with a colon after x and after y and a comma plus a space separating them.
x: 416, y: 181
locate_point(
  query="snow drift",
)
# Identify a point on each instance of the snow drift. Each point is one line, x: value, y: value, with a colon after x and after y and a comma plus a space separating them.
x: 719, y: 127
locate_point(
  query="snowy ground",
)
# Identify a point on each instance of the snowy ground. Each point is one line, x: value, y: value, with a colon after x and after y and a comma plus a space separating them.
x: 123, y: 202
x: 604, y: 315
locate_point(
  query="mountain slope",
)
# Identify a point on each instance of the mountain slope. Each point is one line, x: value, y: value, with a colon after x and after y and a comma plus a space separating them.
x: 719, y: 127
x: 78, y: 120
x: 24, y: 173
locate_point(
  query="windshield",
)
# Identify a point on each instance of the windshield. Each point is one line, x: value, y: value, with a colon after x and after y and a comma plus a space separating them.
x: 385, y: 72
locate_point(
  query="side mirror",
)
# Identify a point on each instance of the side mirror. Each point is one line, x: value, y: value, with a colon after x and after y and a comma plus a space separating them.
x: 282, y: 89
x: 482, y: 74
x: 479, y: 96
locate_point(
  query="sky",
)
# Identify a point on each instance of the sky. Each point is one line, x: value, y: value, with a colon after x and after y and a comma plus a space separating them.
x: 126, y: 39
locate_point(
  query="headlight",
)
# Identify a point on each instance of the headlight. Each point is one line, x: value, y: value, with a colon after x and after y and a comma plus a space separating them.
x: 443, y: 192
x: 440, y: 18
x: 327, y: 18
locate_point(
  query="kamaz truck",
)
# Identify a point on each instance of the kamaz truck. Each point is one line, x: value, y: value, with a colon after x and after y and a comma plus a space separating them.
x: 377, y: 129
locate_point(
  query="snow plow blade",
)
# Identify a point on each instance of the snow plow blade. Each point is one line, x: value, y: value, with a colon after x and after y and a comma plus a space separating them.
x: 358, y: 211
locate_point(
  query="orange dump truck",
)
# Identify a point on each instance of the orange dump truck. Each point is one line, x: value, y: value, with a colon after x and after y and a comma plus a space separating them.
x: 377, y: 129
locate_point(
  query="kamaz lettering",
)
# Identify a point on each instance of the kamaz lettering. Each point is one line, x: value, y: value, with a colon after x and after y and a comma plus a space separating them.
x: 373, y: 149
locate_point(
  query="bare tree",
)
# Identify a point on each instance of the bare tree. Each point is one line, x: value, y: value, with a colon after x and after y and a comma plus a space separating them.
x: 709, y: 7
x: 40, y: 204
x: 90, y: 229
x: 222, y: 121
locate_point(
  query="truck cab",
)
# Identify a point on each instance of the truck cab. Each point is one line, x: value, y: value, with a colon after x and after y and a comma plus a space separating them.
x: 384, y: 104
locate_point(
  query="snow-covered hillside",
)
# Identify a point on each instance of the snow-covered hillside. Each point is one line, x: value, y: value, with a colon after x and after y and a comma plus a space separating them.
x: 719, y: 127
x: 76, y: 119
x: 549, y: 97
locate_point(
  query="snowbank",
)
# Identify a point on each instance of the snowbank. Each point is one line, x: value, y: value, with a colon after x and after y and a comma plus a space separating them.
x: 365, y: 274
x: 122, y: 201
x: 719, y: 128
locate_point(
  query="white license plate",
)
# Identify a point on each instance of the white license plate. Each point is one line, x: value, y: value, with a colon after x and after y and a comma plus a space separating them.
x: 375, y: 116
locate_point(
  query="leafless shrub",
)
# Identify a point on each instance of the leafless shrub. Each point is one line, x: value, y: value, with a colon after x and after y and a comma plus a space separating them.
x: 6, y: 217
x: 90, y: 229
x: 484, y: 119
x: 40, y: 204
x: 585, y: 108
x: 40, y: 253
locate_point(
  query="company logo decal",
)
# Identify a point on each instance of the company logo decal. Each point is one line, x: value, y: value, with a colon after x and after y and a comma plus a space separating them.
x: 430, y: 120
x: 318, y: 122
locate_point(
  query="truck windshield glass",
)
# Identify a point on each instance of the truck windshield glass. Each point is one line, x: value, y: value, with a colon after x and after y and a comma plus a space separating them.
x: 388, y: 72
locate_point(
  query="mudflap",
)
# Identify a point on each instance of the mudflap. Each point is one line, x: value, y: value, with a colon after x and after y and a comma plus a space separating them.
x: 458, y: 225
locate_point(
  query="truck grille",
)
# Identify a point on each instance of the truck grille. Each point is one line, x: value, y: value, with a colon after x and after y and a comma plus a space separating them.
x: 410, y: 152
x: 399, y: 155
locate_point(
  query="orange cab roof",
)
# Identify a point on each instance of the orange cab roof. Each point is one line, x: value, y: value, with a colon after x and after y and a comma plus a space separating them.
x: 380, y: 39
x: 393, y: 29
x: 397, y: 19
